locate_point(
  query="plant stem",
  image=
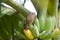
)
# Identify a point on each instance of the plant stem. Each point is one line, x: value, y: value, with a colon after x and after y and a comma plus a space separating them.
x: 41, y: 6
x: 18, y: 7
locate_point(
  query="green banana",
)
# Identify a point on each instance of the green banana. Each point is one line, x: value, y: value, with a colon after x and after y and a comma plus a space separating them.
x: 19, y: 31
x: 37, y: 30
x: 42, y: 35
x: 53, y: 23
x: 42, y: 23
x: 31, y: 27
x: 34, y: 30
x: 45, y: 35
x: 21, y: 35
x: 49, y: 35
x: 36, y: 22
x: 21, y: 17
x: 21, y: 25
x: 50, y: 23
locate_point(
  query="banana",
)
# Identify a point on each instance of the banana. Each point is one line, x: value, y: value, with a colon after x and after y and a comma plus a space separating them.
x: 53, y: 23
x: 58, y: 38
x: 28, y: 33
x: 21, y: 35
x: 31, y: 27
x: 45, y: 35
x: 49, y: 35
x: 50, y: 23
x: 21, y: 17
x: 36, y: 29
x: 21, y: 25
x: 42, y: 35
x: 36, y: 22
x: 56, y: 32
x: 42, y: 23
x: 19, y: 31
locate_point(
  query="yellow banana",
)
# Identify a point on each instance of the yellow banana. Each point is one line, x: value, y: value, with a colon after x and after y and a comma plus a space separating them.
x: 28, y: 33
x: 56, y: 32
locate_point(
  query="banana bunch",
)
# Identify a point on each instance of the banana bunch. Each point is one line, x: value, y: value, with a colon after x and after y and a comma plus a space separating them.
x: 50, y: 23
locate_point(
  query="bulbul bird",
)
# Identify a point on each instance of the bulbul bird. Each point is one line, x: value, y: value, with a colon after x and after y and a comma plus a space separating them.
x: 30, y: 18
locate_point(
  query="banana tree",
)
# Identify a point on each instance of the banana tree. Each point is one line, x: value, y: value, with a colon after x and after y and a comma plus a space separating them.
x: 19, y: 23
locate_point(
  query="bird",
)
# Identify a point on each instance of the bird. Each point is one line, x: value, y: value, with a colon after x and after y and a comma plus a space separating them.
x: 30, y: 18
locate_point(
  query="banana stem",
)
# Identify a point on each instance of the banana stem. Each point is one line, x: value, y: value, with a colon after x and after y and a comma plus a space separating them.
x: 57, y: 1
x: 41, y: 6
x: 18, y: 7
